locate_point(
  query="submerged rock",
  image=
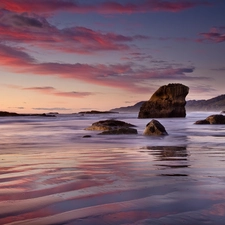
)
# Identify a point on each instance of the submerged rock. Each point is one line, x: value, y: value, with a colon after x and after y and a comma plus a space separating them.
x: 167, y: 101
x: 213, y: 119
x: 202, y: 122
x: 86, y: 136
x: 113, y: 127
x: 120, y: 130
x: 154, y: 127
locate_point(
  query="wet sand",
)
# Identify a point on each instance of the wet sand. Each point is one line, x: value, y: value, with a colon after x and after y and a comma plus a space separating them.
x: 49, y: 174
x: 149, y: 185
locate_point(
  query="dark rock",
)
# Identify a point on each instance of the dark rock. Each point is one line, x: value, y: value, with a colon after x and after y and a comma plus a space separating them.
x: 86, y: 136
x: 113, y: 127
x: 213, y: 119
x: 106, y: 125
x: 4, y: 113
x: 167, y: 101
x: 154, y: 127
x: 52, y: 113
x: 202, y: 122
x: 43, y: 114
x: 120, y: 130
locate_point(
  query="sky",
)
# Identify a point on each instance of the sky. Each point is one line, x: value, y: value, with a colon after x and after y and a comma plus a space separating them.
x: 69, y: 56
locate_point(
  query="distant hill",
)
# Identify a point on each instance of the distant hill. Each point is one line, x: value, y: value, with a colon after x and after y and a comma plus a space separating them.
x: 132, y: 108
x: 213, y: 104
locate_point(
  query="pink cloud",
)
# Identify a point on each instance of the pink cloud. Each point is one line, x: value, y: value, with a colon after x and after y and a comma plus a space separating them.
x: 36, y: 30
x: 172, y: 6
x: 137, y: 56
x: 73, y: 94
x: 24, y: 28
x: 40, y: 89
x: 126, y: 76
x: 111, y: 7
x: 216, y: 35
x: 37, y: 6
x: 170, y: 72
x: 14, y: 57
x: 53, y: 91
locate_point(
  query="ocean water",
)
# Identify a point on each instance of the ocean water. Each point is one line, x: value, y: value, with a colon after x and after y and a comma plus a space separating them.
x: 50, y: 174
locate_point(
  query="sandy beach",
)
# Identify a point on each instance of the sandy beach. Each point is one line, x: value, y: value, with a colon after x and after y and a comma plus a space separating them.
x: 49, y: 174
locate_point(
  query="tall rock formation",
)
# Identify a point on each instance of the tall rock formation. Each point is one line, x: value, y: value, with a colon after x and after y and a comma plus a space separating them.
x: 167, y: 101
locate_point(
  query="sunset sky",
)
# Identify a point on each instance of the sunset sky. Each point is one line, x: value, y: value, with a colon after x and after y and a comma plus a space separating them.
x: 68, y: 55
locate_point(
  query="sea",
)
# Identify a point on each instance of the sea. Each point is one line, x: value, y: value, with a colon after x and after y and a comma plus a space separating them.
x: 51, y: 174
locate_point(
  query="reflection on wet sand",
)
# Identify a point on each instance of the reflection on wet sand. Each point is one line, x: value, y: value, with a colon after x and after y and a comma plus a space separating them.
x: 85, y: 186
x: 167, y: 152
x: 170, y: 157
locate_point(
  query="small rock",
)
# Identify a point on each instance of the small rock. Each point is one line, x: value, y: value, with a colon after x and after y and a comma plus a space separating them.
x: 202, y: 122
x: 86, y: 136
x: 121, y: 130
x: 154, y: 127
x: 107, y: 125
x: 213, y: 119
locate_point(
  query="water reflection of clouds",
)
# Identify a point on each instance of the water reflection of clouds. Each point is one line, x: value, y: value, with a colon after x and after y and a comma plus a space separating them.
x: 146, y: 183
x: 169, y: 160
